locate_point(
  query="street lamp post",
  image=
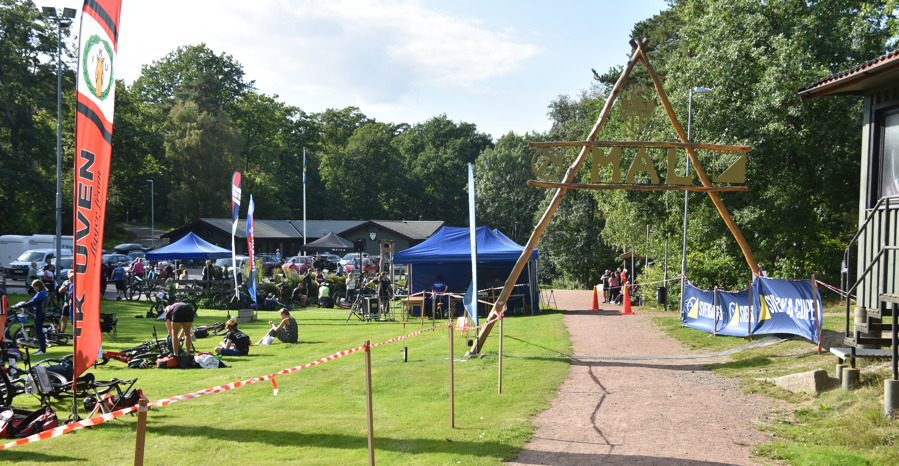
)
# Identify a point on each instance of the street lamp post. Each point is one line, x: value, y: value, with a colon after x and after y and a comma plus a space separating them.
x: 65, y: 20
x: 683, y: 264
x: 152, y: 211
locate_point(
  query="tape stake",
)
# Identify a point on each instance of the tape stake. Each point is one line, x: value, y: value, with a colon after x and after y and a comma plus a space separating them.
x: 275, y: 386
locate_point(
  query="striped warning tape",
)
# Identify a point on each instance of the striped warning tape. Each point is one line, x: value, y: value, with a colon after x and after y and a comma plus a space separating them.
x: 61, y: 430
x: 835, y: 290
x: 65, y: 429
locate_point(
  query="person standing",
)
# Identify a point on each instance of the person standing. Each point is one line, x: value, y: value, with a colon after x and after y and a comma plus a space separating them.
x: 438, y: 290
x: 30, y: 277
x: 38, y: 305
x: 350, y: 287
x: 67, y: 289
x: 118, y: 277
x: 179, y: 318
x: 605, y: 287
x: 137, y: 268
x: 384, y: 293
x: 614, y: 284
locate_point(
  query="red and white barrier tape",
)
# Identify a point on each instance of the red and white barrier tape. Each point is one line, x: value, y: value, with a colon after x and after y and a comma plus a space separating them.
x: 835, y: 290
x: 61, y: 430
x: 65, y: 429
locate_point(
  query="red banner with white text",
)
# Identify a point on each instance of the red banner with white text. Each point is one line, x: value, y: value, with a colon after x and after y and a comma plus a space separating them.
x: 98, y: 42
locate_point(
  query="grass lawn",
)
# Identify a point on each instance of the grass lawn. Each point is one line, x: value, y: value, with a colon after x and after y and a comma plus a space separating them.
x: 835, y: 427
x: 319, y: 414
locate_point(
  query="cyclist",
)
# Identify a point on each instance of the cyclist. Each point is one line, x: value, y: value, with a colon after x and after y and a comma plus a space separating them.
x: 38, y: 304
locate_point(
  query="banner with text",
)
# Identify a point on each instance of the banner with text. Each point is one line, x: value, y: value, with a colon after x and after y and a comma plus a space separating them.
x: 778, y: 306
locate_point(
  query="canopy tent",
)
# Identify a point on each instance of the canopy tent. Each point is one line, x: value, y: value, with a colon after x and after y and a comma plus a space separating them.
x: 189, y: 247
x: 448, y: 253
x: 329, y: 243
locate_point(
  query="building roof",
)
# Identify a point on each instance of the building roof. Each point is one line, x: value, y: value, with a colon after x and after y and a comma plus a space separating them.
x: 288, y: 229
x: 855, y: 81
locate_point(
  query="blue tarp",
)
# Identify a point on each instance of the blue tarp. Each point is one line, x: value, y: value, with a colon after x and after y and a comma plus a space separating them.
x: 448, y: 253
x: 190, y: 247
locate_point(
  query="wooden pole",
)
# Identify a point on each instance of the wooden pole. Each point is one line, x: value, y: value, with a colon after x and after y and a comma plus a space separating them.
x: 636, y: 187
x: 371, y: 424
x: 749, y: 317
x: 665, y: 145
x: 817, y: 320
x: 141, y: 432
x: 694, y: 161
x: 452, y: 380
x: 499, y: 388
x: 557, y: 198
x: 715, y: 307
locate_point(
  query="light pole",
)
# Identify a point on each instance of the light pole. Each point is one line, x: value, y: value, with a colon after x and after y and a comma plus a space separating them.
x: 65, y: 20
x: 152, y: 211
x: 683, y: 263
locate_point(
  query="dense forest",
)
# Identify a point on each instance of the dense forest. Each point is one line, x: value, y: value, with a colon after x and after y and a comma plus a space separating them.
x: 192, y: 118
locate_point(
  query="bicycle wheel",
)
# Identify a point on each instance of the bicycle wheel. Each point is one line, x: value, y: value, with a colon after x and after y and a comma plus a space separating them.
x: 133, y: 293
x: 7, y: 393
x: 63, y: 339
x: 30, y: 342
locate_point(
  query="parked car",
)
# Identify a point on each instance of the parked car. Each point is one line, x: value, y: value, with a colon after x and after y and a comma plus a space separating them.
x: 19, y: 268
x: 226, y: 264
x: 65, y: 263
x: 112, y: 260
x: 369, y: 265
x: 269, y: 262
x: 298, y: 263
x: 349, y: 257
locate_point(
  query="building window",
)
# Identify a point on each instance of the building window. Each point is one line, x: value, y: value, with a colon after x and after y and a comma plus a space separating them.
x: 889, y: 155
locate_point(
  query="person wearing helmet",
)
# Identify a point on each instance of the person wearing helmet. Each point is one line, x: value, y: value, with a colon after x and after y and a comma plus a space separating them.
x: 235, y: 343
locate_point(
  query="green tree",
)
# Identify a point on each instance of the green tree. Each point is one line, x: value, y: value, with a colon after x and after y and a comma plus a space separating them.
x: 436, y: 155
x: 28, y: 119
x: 200, y: 147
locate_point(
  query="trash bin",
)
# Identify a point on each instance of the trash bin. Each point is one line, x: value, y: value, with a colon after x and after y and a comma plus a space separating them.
x: 661, y: 295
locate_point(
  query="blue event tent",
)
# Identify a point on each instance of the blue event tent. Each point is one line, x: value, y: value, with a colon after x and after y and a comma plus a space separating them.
x: 190, y: 247
x: 448, y: 253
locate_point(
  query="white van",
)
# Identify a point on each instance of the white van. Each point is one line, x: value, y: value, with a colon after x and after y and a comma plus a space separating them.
x: 18, y: 269
x: 11, y: 247
x: 49, y: 242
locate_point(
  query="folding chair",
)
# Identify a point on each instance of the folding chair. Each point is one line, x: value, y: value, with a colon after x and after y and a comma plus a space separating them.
x: 108, y: 325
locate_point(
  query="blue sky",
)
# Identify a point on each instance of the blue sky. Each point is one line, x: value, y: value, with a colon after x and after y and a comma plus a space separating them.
x: 497, y: 64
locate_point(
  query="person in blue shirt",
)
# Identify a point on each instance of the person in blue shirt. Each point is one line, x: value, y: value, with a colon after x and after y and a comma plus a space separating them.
x: 38, y: 305
x: 438, y: 292
x: 118, y: 277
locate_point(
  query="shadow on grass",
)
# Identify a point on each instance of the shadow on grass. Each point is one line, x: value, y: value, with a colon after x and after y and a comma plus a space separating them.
x: 554, y: 458
x: 670, y: 367
x: 341, y: 441
x: 534, y: 345
x: 14, y: 456
x: 749, y: 363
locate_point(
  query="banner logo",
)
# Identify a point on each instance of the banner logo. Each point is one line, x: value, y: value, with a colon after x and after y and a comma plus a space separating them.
x: 97, y: 67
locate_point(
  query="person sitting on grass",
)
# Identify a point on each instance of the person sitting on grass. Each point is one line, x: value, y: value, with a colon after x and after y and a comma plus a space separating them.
x: 299, y: 294
x: 287, y: 331
x: 235, y: 343
x: 324, y: 295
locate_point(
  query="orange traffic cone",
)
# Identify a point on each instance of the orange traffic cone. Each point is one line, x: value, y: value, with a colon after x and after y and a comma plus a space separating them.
x: 595, y: 301
x: 627, y: 303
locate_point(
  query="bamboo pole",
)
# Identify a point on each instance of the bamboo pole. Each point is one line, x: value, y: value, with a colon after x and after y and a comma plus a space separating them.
x: 499, y: 386
x: 371, y: 424
x: 141, y: 432
x: 694, y: 161
x: 667, y: 145
x: 452, y: 380
x: 635, y: 187
x: 557, y: 198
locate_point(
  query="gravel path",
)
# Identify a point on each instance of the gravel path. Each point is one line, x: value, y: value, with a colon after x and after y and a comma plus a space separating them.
x: 665, y: 411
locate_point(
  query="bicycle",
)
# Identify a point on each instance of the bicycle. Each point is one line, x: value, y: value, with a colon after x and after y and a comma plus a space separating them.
x: 137, y: 287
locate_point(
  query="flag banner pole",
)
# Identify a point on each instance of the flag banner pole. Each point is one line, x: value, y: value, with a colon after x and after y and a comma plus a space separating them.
x: 251, y: 280
x: 95, y: 84
x: 235, y: 212
x: 472, y: 228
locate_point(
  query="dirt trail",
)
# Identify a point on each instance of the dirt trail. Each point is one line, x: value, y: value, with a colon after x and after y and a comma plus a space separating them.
x: 641, y: 411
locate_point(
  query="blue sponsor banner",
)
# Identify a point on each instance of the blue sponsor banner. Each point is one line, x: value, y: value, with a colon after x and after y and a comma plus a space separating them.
x: 699, y: 308
x: 735, y: 313
x: 786, y: 306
